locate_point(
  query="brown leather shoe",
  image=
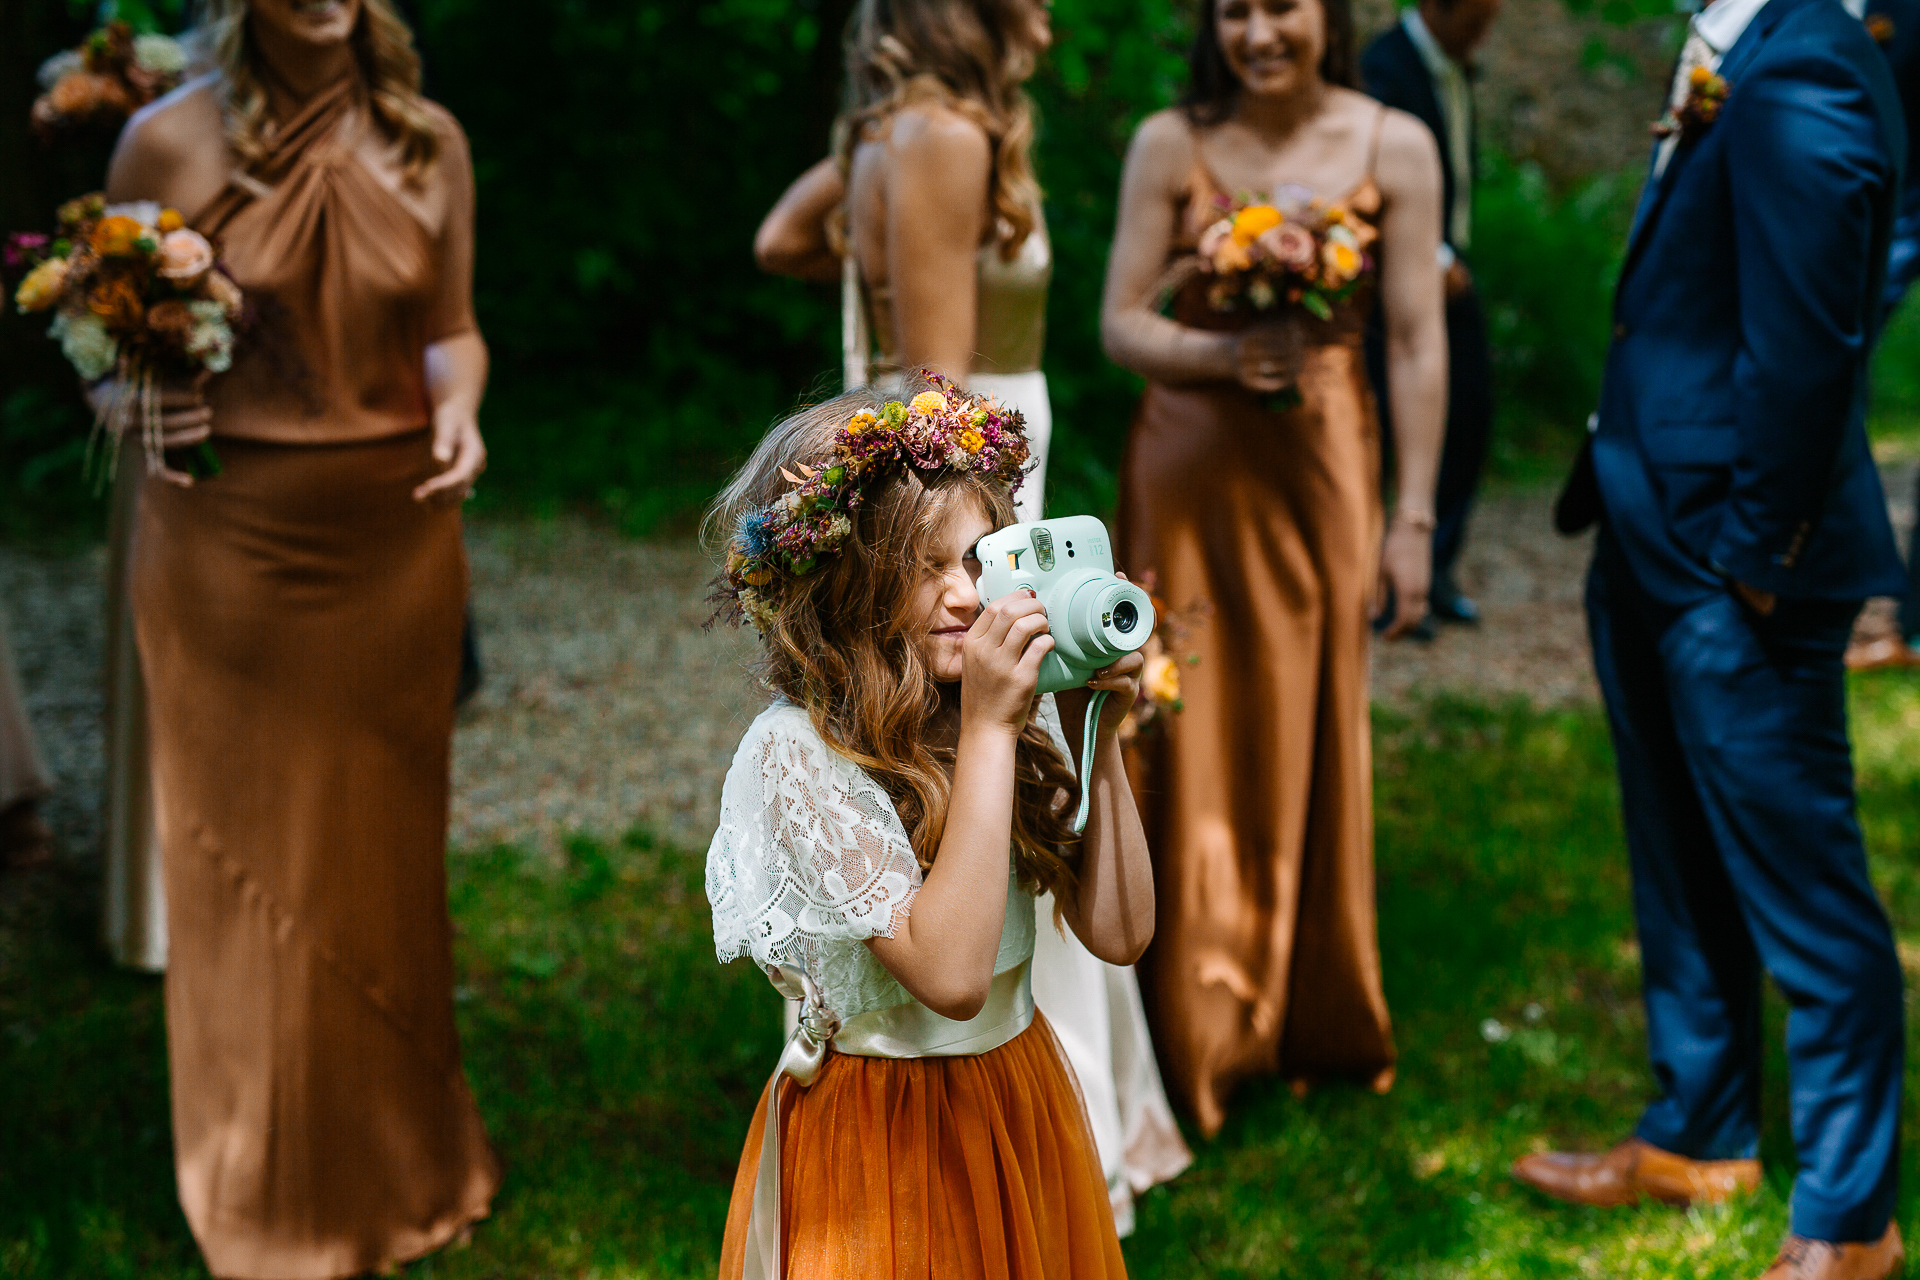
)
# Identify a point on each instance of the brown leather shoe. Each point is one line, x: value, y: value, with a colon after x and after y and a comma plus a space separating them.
x: 1804, y: 1259
x: 1634, y: 1170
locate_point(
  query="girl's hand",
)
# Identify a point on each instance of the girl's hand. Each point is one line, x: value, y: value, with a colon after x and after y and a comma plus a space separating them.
x: 1121, y: 683
x: 1001, y: 663
x: 1268, y: 357
x: 1406, y: 562
x: 457, y: 446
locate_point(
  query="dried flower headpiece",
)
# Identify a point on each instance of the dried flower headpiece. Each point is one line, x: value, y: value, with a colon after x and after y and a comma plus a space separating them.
x: 778, y: 544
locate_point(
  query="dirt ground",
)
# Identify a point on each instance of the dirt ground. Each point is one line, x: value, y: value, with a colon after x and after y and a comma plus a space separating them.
x: 606, y: 704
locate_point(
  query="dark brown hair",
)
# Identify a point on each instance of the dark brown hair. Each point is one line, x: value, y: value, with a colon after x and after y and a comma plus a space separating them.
x: 845, y: 647
x: 1213, y: 88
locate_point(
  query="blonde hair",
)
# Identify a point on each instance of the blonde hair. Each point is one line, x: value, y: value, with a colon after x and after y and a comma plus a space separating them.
x: 960, y: 55
x: 845, y: 646
x: 389, y: 66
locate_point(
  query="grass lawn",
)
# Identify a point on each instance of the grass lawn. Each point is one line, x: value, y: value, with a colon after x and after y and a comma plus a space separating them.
x: 616, y: 1063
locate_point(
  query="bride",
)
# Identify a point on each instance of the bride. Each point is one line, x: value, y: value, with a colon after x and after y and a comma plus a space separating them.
x: 930, y: 193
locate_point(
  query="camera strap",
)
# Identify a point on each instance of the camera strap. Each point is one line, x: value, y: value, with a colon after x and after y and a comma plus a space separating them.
x: 1089, y: 736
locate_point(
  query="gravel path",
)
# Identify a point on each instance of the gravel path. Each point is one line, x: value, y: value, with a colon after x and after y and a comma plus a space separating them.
x: 606, y: 704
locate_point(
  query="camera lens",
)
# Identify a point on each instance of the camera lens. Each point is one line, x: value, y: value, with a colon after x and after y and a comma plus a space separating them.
x: 1125, y: 617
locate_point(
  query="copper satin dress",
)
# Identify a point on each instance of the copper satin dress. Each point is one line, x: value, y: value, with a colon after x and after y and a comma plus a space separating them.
x: 299, y: 625
x: 1257, y: 797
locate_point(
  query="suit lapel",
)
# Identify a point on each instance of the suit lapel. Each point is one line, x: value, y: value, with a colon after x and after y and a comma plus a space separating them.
x: 1653, y: 197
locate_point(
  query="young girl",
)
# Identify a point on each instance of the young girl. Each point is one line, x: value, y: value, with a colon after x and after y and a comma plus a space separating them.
x: 884, y: 830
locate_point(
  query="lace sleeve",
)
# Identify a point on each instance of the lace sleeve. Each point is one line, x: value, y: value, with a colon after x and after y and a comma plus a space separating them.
x: 809, y: 851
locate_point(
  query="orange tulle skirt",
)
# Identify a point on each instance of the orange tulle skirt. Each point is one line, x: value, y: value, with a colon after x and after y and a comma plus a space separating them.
x: 977, y: 1168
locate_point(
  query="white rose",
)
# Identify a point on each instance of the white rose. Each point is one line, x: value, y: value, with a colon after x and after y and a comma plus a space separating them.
x: 144, y: 212
x: 85, y: 342
x: 162, y: 55
x: 59, y: 66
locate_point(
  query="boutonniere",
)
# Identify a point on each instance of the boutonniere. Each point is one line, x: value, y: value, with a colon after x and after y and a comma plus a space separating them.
x: 1880, y: 27
x: 1706, y: 94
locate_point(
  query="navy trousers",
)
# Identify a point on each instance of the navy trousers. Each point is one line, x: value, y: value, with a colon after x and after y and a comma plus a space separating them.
x: 1736, y: 782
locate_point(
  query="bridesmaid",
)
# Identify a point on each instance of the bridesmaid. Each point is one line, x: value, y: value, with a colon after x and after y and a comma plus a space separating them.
x: 948, y: 268
x: 298, y: 621
x: 1258, y: 796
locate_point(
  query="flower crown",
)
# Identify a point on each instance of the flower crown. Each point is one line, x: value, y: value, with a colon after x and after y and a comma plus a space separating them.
x: 778, y: 544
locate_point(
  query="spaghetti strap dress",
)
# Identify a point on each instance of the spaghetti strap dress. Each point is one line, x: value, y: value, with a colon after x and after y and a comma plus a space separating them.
x: 1258, y: 796
x: 299, y: 621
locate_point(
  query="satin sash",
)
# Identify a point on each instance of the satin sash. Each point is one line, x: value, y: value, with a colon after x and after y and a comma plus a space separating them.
x: 908, y: 1030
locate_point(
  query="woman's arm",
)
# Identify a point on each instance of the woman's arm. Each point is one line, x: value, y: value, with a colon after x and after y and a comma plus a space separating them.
x: 1136, y: 336
x: 456, y: 383
x: 1413, y: 302
x: 939, y: 166
x: 1112, y: 913
x: 456, y: 356
x: 944, y: 953
x: 793, y: 241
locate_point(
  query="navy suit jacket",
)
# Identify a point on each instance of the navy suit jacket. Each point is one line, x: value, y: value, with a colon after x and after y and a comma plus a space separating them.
x: 1731, y: 439
x: 1392, y: 72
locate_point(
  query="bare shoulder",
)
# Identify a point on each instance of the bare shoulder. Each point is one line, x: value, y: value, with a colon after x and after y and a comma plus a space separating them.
x: 1163, y: 147
x: 175, y: 127
x: 445, y: 127
x: 172, y: 148
x: 1409, y: 156
x: 932, y: 135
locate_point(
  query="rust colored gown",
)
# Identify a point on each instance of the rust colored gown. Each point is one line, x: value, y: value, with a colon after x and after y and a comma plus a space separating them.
x: 1257, y: 796
x: 299, y: 620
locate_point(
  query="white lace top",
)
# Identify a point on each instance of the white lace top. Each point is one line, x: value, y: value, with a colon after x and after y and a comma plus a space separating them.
x: 811, y: 860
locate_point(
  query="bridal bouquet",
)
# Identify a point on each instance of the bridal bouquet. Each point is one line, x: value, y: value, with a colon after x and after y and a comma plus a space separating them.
x: 1295, y: 251
x: 112, y: 74
x: 135, y: 293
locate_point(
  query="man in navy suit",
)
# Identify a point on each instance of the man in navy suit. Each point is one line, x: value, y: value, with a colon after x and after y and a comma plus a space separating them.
x: 1742, y: 523
x: 1421, y: 65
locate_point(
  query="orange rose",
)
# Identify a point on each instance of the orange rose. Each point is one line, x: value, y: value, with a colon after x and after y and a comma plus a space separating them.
x: 83, y: 94
x: 116, y: 237
x: 116, y: 300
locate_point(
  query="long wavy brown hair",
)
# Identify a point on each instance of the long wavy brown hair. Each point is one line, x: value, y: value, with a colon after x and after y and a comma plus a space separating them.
x: 845, y: 645
x: 964, y: 55
x: 389, y: 68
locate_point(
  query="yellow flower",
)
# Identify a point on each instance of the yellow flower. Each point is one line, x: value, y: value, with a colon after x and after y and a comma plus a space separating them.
x: 1254, y: 221
x: 1161, y: 678
x: 972, y: 441
x: 41, y: 288
x: 1341, y: 263
x: 862, y: 421
x: 169, y: 220
x: 1701, y: 77
x: 117, y: 237
x: 929, y: 403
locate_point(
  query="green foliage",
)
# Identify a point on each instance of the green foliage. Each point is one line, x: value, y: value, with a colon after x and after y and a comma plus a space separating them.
x: 617, y: 1065
x: 1546, y: 263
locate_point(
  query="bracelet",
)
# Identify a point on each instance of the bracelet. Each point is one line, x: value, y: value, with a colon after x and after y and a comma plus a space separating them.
x: 1421, y: 521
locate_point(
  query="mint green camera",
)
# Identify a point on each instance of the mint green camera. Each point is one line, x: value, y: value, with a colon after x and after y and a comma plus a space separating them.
x: 1096, y: 618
